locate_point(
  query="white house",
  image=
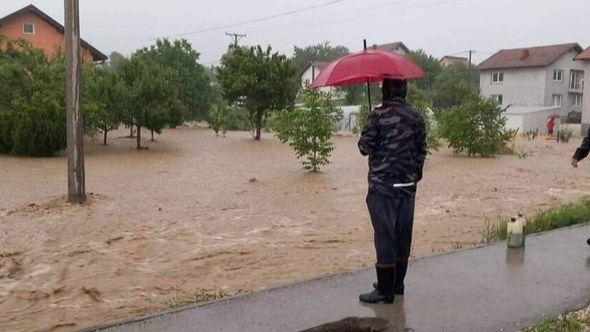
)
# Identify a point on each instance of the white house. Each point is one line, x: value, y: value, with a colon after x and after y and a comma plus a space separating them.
x: 584, y: 57
x: 535, y: 78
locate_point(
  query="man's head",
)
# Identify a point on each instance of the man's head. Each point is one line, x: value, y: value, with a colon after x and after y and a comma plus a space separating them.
x: 394, y: 89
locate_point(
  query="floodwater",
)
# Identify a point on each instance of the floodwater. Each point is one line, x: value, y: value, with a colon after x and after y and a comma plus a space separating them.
x: 197, y: 212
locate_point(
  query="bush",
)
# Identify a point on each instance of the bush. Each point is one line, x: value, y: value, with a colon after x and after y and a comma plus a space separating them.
x: 476, y: 127
x: 308, y: 129
x: 32, y: 100
x: 564, y: 135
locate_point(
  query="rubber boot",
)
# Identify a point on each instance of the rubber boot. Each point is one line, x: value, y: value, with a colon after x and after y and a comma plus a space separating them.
x: 384, y: 292
x: 588, y: 241
x: 401, y: 268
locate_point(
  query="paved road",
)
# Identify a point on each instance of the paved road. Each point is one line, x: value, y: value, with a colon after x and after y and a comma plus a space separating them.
x: 489, y: 288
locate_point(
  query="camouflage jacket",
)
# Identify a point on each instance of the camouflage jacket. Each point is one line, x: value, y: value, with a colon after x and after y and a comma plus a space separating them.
x: 394, y: 138
x: 582, y: 151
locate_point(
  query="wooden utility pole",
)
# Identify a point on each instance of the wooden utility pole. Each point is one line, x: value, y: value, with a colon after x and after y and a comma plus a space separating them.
x: 75, y: 128
x: 236, y: 37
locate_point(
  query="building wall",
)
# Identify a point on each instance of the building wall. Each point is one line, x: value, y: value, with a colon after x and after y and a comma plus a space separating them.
x: 521, y: 86
x: 567, y: 64
x: 46, y: 37
x: 534, y: 86
x: 586, y: 100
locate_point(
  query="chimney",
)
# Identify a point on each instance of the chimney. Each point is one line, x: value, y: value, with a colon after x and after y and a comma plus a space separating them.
x: 525, y: 54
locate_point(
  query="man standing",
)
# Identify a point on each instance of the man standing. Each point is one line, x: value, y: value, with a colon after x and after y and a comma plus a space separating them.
x: 394, y: 138
x: 581, y: 153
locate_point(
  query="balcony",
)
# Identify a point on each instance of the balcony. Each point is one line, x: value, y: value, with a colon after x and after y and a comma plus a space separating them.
x: 576, y: 87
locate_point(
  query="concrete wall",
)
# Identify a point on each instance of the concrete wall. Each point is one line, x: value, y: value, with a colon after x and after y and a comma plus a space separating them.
x: 521, y: 86
x: 567, y: 64
x: 45, y: 37
x: 586, y: 100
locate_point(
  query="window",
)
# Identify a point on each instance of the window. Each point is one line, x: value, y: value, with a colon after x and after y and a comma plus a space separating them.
x: 497, y: 99
x: 497, y: 77
x: 576, y: 80
x: 558, y: 75
x: 556, y: 100
x: 28, y: 28
x: 577, y: 100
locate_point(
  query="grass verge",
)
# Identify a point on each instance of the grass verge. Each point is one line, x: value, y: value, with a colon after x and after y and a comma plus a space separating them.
x: 557, y: 217
x: 572, y: 322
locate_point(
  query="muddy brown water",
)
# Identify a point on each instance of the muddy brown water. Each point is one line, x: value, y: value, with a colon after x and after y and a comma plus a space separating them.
x: 196, y: 212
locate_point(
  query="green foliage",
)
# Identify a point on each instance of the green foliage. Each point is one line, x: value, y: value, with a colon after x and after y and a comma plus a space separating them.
x: 556, y: 217
x: 193, y: 83
x: 103, y: 99
x: 152, y: 93
x: 570, y: 322
x: 115, y: 59
x: 217, y: 118
x: 430, y: 65
x: 564, y: 135
x: 475, y: 127
x: 319, y: 52
x: 451, y: 87
x: 257, y: 80
x: 309, y: 129
x: 32, y: 100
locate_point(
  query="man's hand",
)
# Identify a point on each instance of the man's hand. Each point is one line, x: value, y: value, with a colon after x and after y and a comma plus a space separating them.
x: 575, y: 162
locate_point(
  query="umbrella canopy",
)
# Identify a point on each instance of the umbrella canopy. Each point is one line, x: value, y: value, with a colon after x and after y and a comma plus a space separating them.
x: 370, y: 65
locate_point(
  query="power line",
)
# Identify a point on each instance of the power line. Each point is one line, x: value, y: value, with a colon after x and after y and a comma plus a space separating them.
x: 260, y: 19
x: 236, y: 37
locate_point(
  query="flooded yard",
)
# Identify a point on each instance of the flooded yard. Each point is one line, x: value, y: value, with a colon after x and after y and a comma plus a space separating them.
x: 197, y: 212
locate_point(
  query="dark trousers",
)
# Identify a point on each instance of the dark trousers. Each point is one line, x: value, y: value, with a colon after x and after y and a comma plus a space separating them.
x: 392, y: 219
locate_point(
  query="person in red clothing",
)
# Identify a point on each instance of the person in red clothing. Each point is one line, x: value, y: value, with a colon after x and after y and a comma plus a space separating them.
x: 550, y: 125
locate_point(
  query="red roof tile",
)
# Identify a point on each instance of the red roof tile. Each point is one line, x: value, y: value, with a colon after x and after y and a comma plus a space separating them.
x: 528, y: 57
x: 584, y: 55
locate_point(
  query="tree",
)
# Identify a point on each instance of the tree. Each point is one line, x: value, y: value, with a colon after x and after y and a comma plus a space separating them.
x: 194, y: 84
x: 451, y: 87
x: 429, y: 64
x: 151, y: 93
x: 477, y: 127
x: 308, y: 129
x: 103, y: 99
x: 115, y: 59
x: 32, y: 100
x: 319, y: 52
x: 258, y: 80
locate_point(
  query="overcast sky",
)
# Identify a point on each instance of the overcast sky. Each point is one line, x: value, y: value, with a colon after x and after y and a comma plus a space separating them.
x: 440, y: 27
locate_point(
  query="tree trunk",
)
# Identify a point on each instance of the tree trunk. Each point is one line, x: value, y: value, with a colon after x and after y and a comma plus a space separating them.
x: 105, y: 131
x: 131, y: 131
x: 258, y: 126
x: 152, y: 135
x: 138, y: 137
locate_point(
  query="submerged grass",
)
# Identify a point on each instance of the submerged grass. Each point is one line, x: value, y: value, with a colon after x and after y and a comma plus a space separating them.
x: 557, y: 217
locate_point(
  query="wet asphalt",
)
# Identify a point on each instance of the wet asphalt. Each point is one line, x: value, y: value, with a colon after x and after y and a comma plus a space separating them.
x: 489, y: 288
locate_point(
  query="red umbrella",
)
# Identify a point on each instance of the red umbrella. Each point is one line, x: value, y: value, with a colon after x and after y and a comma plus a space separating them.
x: 370, y: 65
